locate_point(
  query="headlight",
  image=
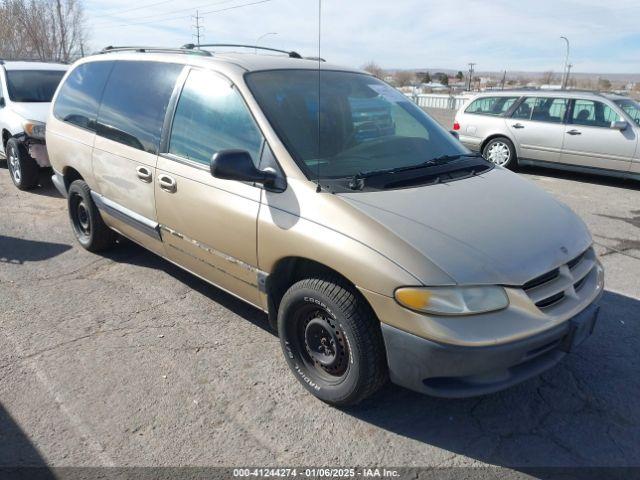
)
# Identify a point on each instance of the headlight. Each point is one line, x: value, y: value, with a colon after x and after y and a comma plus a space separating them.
x: 34, y: 129
x: 453, y: 300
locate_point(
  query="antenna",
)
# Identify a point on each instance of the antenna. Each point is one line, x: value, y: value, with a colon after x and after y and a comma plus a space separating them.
x: 319, y: 188
x: 197, y: 28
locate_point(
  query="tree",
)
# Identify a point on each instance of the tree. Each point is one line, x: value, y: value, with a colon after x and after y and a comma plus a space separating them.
x: 604, y: 84
x: 460, y: 75
x: 444, y: 80
x: 548, y: 77
x: 47, y: 30
x: 404, y: 78
x: 426, y: 78
x: 374, y: 69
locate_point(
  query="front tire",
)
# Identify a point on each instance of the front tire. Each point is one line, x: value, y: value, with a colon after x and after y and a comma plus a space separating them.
x: 331, y: 341
x: 501, y: 151
x: 23, y: 169
x: 87, y: 224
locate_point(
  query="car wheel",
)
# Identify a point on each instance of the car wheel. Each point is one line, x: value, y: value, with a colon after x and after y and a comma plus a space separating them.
x: 332, y: 341
x: 89, y: 228
x: 23, y: 169
x: 501, y: 152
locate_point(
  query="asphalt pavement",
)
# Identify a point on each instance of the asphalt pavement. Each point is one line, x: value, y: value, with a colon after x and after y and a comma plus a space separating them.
x: 123, y: 359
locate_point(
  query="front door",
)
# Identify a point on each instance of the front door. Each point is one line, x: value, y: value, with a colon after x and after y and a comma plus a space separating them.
x: 591, y: 142
x: 537, y: 126
x: 208, y: 225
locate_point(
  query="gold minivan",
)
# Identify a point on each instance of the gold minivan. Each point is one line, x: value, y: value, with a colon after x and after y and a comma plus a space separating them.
x: 380, y: 247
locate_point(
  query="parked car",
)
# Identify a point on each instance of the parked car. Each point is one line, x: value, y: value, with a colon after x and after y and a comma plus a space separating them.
x: 26, y: 89
x: 570, y: 130
x: 398, y: 255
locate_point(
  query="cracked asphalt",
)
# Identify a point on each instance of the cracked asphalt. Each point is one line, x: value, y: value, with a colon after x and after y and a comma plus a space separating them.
x: 125, y: 360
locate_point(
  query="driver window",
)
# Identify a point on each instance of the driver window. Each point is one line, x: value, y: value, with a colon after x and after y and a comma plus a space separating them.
x: 212, y: 116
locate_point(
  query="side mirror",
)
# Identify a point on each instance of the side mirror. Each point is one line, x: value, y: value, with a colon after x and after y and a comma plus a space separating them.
x: 455, y: 134
x: 238, y: 165
x: 2, y: 102
x: 620, y: 125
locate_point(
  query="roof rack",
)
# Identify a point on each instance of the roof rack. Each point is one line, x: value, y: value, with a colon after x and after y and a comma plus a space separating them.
x: 191, y: 46
x: 143, y: 49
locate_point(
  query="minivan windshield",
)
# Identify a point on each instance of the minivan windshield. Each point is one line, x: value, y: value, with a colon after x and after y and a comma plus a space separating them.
x: 359, y: 124
x: 631, y: 108
x: 33, y: 86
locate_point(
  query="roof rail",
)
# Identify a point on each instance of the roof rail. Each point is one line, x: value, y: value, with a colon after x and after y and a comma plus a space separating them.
x: 191, y: 46
x: 143, y: 49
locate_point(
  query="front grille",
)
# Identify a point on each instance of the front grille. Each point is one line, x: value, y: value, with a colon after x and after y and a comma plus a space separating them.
x: 554, y: 287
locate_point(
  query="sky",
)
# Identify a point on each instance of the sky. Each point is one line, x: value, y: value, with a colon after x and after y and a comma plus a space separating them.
x: 512, y: 35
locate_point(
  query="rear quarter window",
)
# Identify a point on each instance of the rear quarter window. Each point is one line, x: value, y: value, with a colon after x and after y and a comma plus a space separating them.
x: 79, y: 96
x: 491, y: 105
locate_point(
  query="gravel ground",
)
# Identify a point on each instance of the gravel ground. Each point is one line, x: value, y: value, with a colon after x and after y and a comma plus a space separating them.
x: 125, y: 360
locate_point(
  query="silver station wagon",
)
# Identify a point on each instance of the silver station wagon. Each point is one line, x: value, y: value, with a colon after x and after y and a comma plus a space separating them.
x: 571, y: 130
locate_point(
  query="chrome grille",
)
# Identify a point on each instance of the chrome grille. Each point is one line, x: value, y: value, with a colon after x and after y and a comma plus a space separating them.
x: 555, y: 286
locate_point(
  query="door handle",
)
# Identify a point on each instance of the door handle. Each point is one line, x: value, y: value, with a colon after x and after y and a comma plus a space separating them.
x: 144, y: 174
x: 167, y: 183
x: 574, y: 132
x: 518, y: 125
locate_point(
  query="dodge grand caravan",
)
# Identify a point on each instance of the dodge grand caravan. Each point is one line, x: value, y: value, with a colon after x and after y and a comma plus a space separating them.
x: 377, y: 244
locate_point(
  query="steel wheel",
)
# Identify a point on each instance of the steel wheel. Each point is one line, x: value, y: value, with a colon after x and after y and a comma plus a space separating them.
x: 80, y: 217
x: 499, y: 153
x: 13, y: 162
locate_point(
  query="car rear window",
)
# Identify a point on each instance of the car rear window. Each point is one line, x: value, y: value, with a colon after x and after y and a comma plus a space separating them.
x: 33, y: 86
x: 491, y: 105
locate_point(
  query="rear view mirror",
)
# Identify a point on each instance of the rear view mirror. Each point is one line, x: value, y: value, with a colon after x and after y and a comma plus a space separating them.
x: 238, y: 165
x: 619, y: 125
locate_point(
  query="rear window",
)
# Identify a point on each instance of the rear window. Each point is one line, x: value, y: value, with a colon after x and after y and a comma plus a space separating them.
x: 33, y: 86
x: 491, y: 105
x: 135, y: 101
x: 79, y: 96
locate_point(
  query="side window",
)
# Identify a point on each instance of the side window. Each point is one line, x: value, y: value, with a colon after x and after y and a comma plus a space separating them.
x: 542, y: 109
x: 593, y: 114
x: 79, y: 97
x: 135, y: 101
x: 523, y: 111
x: 491, y: 105
x: 212, y: 116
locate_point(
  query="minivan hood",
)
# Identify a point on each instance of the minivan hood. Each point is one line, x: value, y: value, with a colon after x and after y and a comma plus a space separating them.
x: 497, y: 228
x: 38, y: 111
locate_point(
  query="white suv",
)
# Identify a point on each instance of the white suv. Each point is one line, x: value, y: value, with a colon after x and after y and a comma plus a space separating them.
x: 26, y: 89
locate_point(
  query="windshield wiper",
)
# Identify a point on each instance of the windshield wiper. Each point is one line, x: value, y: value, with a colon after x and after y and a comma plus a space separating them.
x: 358, y: 180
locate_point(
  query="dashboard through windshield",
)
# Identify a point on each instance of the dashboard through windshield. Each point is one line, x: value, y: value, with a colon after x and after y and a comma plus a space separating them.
x: 340, y: 124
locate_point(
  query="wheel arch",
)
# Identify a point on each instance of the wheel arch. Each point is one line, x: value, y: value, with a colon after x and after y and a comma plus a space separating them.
x: 291, y: 269
x: 6, y: 135
x: 70, y: 175
x: 499, y: 135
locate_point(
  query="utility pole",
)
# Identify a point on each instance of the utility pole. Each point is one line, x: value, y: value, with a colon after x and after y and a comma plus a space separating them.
x: 504, y: 79
x: 568, y: 73
x: 565, y: 74
x: 198, y: 27
x: 471, y: 65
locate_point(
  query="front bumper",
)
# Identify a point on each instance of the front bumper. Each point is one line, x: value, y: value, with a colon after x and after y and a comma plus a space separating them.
x: 453, y: 371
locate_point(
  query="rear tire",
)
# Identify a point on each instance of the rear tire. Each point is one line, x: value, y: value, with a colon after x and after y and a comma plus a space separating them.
x: 23, y: 169
x: 87, y: 224
x: 500, y: 151
x: 332, y: 341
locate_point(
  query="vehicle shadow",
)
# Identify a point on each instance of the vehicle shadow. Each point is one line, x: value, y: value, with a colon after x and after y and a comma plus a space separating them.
x: 133, y: 254
x: 19, y: 458
x: 18, y: 250
x: 583, y: 412
x: 594, y: 179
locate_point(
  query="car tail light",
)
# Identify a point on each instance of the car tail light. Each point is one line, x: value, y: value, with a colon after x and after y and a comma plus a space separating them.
x: 456, y: 126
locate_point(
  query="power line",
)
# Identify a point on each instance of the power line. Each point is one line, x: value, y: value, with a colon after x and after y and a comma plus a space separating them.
x: 180, y: 17
x: 170, y: 12
x: 116, y: 12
